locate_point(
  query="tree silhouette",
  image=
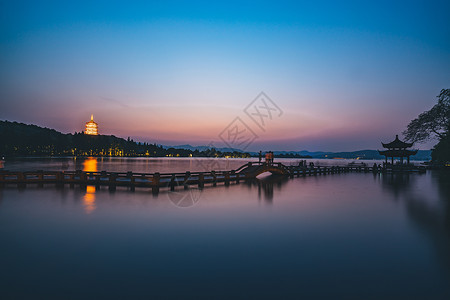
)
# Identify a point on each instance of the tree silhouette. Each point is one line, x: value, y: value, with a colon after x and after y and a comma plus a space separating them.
x: 433, y: 123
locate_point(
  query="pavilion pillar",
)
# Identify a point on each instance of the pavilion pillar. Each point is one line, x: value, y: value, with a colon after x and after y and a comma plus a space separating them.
x: 392, y: 160
x: 408, y: 159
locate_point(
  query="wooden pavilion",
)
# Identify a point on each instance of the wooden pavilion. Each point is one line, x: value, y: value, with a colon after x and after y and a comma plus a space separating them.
x: 397, y: 148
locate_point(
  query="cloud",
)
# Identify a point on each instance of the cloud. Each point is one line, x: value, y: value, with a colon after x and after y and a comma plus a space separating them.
x: 114, y: 101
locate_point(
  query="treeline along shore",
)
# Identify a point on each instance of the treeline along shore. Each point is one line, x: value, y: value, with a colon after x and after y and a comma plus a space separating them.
x: 18, y: 139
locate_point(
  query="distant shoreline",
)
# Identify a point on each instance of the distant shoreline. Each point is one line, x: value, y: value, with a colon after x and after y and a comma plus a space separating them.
x: 190, y: 157
x: 23, y: 140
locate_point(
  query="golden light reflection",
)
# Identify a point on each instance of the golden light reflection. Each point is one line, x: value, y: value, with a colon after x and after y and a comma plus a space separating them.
x: 89, y: 199
x: 90, y: 165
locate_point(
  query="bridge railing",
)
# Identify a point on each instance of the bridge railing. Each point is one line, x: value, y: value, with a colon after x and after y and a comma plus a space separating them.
x: 156, y: 180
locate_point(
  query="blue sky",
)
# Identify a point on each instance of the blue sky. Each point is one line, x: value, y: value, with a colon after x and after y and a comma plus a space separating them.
x: 347, y: 75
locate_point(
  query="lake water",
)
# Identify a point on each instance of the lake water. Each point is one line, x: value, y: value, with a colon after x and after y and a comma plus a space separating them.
x: 341, y: 236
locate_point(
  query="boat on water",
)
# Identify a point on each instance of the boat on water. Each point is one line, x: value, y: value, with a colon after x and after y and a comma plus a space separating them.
x: 430, y: 165
x: 356, y: 164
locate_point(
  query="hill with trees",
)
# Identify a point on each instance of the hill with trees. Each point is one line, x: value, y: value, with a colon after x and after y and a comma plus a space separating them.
x: 18, y: 139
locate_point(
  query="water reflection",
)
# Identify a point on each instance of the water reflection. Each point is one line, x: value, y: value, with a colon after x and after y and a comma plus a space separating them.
x: 397, y: 183
x: 349, y: 232
x: 266, y: 186
x: 89, y: 199
x: 430, y: 212
x: 442, y: 178
x: 90, y: 165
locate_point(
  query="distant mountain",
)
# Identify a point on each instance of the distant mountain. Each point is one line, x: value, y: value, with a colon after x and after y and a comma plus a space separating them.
x: 361, y: 154
x: 303, y: 153
x: 203, y: 148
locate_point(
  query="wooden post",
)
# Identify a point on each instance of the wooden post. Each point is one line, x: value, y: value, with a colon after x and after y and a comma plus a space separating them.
x: 41, y: 179
x: 172, y: 182
x: 187, y: 176
x: 227, y: 178
x: 71, y: 180
x: 112, y: 181
x: 132, y: 181
x: 60, y: 179
x: 83, y: 179
x: 214, y: 176
x: 155, y: 183
x: 236, y: 178
x: 201, y: 180
x: 21, y: 180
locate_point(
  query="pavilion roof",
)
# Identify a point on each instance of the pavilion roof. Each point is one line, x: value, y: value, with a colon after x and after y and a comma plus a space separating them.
x: 397, y: 153
x: 397, y: 144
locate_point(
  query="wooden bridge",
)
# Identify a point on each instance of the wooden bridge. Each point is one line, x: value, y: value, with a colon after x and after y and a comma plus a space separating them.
x: 155, y: 181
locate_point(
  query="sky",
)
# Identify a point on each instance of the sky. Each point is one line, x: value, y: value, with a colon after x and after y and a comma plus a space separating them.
x: 336, y: 75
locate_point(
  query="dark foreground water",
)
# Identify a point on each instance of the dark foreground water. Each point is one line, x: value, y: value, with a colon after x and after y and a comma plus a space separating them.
x: 343, y: 236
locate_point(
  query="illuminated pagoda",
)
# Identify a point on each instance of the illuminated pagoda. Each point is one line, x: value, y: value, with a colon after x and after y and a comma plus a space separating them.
x: 397, y: 149
x: 91, y: 127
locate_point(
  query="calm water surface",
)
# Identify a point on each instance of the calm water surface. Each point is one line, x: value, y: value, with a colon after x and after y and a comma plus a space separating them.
x: 343, y: 236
